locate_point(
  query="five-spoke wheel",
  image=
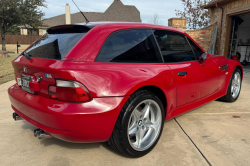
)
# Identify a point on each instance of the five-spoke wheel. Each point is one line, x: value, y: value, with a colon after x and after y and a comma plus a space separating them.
x: 139, y: 125
x: 236, y: 85
x: 144, y: 125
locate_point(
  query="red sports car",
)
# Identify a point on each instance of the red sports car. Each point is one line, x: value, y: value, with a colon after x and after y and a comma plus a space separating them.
x: 116, y: 82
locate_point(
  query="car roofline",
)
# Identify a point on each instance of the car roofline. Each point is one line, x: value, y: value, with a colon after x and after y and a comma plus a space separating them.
x: 91, y: 25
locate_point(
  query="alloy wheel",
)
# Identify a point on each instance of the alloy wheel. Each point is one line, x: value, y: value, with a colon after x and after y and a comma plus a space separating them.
x: 236, y: 85
x: 144, y: 125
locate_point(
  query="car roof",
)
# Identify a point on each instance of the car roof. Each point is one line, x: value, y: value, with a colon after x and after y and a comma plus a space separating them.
x: 129, y: 24
x: 99, y: 32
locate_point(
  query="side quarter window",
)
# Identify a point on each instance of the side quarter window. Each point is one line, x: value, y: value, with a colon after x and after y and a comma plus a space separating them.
x: 195, y: 48
x: 174, y: 46
x: 130, y: 46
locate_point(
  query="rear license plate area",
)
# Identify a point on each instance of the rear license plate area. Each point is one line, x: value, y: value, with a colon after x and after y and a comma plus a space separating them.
x: 25, y: 79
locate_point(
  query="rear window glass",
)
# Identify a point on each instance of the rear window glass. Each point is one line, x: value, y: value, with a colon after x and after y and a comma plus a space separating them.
x: 54, y: 46
x: 130, y: 46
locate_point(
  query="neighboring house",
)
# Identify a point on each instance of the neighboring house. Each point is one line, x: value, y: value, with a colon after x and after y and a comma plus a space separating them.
x: 233, y: 35
x: 117, y: 11
x: 28, y: 30
x: 233, y: 18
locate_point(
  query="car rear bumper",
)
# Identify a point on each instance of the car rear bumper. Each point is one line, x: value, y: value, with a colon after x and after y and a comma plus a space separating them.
x: 74, y: 122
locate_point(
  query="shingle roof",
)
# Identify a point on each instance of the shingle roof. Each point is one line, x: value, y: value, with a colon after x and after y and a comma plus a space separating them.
x: 117, y: 11
x: 75, y: 18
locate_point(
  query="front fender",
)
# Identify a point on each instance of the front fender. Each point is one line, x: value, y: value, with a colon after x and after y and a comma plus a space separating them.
x: 226, y: 74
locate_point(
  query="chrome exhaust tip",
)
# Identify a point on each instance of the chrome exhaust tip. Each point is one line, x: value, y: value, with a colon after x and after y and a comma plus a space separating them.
x: 16, y: 117
x: 41, y: 134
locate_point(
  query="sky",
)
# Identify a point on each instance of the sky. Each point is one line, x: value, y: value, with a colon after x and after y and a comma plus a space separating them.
x: 164, y: 8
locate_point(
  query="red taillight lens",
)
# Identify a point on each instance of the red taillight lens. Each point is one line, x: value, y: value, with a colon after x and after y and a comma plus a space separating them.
x: 69, y: 91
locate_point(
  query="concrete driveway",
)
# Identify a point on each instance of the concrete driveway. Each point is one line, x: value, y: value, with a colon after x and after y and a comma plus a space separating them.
x: 209, y: 135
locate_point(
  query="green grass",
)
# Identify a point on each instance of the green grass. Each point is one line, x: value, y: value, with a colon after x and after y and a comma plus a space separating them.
x: 6, y: 69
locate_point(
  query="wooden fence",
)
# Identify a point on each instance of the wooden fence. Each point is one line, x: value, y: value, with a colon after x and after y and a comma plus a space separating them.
x: 21, y: 39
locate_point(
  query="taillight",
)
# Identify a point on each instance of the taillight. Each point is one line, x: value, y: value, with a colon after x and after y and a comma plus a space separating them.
x: 69, y: 91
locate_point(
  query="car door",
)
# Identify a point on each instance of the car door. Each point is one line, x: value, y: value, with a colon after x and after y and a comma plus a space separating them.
x: 188, y: 72
x: 178, y: 55
x: 207, y: 73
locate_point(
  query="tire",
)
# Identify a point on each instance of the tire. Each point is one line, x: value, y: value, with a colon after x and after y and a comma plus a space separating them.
x: 132, y: 124
x: 231, y: 95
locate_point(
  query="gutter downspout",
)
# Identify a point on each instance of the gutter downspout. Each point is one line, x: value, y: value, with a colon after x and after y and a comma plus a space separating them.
x: 220, y: 29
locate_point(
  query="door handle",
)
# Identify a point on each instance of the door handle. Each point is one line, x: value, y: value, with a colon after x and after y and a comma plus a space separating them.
x: 182, y: 73
x: 224, y: 67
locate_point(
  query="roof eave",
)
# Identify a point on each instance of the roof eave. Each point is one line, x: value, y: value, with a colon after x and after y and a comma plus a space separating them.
x: 216, y: 3
x: 208, y: 6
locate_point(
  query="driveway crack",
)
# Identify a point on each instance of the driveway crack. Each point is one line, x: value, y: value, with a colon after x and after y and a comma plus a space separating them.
x: 193, y: 143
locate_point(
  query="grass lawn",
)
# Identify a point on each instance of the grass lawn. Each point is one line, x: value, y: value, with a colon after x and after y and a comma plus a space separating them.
x: 6, y: 69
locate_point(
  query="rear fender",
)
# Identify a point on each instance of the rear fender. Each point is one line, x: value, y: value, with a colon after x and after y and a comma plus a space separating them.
x: 119, y: 79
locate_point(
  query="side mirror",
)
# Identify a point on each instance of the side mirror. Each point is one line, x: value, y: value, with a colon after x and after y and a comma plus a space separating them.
x: 203, y: 56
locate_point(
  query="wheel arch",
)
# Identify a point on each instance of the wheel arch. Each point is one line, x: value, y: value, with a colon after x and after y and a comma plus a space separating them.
x: 158, y: 92
x: 241, y: 70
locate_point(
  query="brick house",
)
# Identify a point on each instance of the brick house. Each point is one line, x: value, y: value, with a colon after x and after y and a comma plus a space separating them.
x: 233, y: 18
x: 233, y: 35
x: 117, y: 11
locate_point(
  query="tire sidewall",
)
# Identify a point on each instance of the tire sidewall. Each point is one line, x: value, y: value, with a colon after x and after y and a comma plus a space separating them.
x: 143, y: 96
x: 230, y: 85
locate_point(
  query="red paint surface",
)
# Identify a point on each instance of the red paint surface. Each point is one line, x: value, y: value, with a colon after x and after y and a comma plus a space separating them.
x: 110, y: 85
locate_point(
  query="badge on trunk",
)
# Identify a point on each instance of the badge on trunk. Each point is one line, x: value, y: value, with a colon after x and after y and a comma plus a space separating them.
x: 48, y: 75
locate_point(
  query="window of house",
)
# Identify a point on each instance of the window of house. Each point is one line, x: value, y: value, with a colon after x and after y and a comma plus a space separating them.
x: 134, y: 46
x: 174, y: 46
x: 44, y: 31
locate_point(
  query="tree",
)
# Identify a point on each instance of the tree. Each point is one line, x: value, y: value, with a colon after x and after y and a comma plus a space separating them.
x: 197, y: 17
x: 155, y: 20
x: 19, y: 12
x: 14, y: 30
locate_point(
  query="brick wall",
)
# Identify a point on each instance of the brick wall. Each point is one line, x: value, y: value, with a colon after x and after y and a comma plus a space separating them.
x: 179, y: 23
x: 201, y: 36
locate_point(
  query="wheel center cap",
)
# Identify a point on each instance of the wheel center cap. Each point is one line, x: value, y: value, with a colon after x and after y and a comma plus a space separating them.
x: 140, y: 123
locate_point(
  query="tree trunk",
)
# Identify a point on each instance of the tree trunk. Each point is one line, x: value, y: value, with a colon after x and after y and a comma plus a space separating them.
x: 3, y: 41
